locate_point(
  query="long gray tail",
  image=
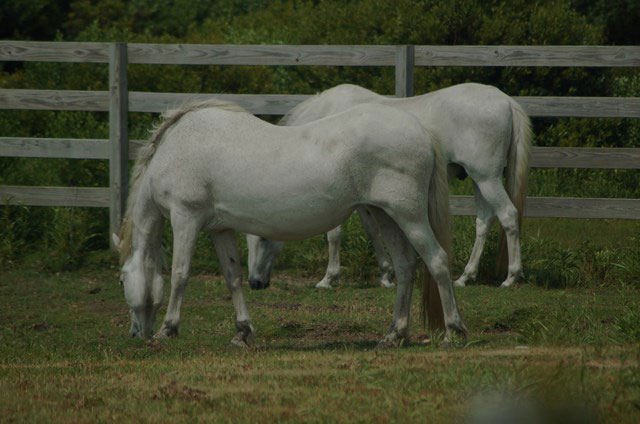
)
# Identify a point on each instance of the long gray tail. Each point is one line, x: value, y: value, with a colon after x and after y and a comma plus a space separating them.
x: 440, y: 221
x: 517, y: 172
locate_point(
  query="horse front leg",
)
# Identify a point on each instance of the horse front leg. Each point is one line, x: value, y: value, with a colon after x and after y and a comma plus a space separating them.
x: 229, y: 258
x: 185, y: 230
x: 334, y: 237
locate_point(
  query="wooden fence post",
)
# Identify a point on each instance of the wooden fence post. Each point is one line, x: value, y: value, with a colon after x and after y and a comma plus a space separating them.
x: 118, y: 135
x: 405, y: 58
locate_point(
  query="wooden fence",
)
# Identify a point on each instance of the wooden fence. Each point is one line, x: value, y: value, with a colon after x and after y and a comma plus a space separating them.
x: 118, y: 101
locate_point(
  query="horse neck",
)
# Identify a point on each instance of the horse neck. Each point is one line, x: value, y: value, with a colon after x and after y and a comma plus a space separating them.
x: 143, y: 223
x: 147, y: 218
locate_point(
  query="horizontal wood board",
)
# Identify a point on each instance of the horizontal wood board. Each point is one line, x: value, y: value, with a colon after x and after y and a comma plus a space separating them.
x: 324, y: 55
x: 279, y: 104
x: 460, y: 205
x: 541, y: 157
x: 56, y: 196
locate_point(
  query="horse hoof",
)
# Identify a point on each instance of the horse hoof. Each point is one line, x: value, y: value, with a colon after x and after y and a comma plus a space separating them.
x: 387, y: 284
x: 507, y: 283
x: 165, y: 332
x: 259, y: 285
x: 385, y: 345
x: 323, y: 285
x: 241, y: 341
x: 456, y: 332
x: 391, y: 341
x: 460, y: 282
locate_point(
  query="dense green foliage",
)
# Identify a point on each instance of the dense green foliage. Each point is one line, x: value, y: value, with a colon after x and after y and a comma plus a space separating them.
x: 68, y: 234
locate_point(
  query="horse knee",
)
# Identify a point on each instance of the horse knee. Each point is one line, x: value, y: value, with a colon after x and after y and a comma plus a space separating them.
x: 180, y: 275
x: 439, y: 267
x: 509, y: 220
x: 235, y: 283
x: 482, y: 227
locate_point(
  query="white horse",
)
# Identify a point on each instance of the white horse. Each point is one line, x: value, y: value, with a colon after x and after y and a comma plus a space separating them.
x: 481, y: 130
x: 213, y: 166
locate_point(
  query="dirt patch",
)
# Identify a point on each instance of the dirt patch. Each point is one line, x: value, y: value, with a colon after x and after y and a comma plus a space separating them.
x: 279, y: 306
x: 298, y: 306
x: 173, y: 390
x: 281, y: 278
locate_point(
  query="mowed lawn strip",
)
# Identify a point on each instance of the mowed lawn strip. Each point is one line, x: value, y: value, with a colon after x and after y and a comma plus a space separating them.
x: 65, y: 354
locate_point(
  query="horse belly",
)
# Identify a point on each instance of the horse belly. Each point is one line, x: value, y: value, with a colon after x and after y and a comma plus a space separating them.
x: 283, y: 222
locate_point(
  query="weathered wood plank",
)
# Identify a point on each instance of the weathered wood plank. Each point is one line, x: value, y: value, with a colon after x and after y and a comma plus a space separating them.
x: 94, y: 101
x: 583, y: 208
x: 55, y: 196
x: 585, y: 157
x: 541, y: 157
x: 563, y: 207
x: 582, y: 107
x: 278, y: 104
x: 46, y: 51
x: 460, y: 205
x: 69, y: 148
x: 588, y: 56
x: 330, y: 55
x: 266, y: 104
x: 404, y: 71
x: 229, y: 54
x: 62, y: 148
x: 118, y: 136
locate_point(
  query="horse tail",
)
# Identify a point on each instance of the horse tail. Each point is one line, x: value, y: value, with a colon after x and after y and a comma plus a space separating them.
x: 145, y: 154
x: 439, y: 219
x: 516, y: 174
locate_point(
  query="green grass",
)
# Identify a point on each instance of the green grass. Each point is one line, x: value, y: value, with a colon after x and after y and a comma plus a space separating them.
x: 65, y: 355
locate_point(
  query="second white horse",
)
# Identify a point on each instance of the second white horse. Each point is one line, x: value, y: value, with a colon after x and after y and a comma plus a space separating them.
x: 481, y: 131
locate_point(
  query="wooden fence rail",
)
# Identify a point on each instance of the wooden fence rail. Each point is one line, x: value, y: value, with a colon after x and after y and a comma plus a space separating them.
x: 279, y: 104
x: 118, y: 102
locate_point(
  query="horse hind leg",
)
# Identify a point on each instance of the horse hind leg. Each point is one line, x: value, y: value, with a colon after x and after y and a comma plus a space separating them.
x: 404, y: 261
x: 497, y: 198
x: 185, y: 230
x: 372, y: 229
x: 334, y: 237
x: 229, y: 258
x: 418, y: 232
x: 483, y: 225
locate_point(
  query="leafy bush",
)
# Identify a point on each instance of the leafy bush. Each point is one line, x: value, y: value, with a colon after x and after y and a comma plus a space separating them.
x: 541, y: 22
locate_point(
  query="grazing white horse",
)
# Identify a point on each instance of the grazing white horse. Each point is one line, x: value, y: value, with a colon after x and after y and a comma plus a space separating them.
x: 216, y: 167
x: 481, y: 130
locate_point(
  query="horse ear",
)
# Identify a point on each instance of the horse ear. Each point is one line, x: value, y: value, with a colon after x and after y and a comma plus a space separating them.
x: 116, y: 241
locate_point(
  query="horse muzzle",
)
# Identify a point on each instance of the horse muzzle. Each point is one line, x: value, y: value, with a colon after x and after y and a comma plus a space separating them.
x: 258, y: 284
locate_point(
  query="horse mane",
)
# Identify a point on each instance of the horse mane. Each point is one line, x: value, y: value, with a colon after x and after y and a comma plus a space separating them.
x: 145, y: 154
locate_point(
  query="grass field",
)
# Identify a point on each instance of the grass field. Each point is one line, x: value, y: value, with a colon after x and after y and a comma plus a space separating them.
x: 65, y: 355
